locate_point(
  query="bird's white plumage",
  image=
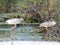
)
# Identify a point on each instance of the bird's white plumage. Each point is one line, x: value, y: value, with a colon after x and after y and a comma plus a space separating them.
x: 48, y: 24
x: 15, y: 21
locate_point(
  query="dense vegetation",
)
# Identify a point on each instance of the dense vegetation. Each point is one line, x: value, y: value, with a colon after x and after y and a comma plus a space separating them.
x: 33, y: 10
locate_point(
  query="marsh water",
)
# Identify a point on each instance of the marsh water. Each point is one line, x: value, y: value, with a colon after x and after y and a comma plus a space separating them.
x: 23, y: 33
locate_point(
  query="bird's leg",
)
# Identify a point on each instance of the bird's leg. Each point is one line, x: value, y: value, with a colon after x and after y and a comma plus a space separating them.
x: 47, y: 29
x: 14, y: 26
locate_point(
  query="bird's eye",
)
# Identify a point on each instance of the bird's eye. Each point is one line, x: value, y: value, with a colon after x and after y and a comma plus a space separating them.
x: 22, y: 21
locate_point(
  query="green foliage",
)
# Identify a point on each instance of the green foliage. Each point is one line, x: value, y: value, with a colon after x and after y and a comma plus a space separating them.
x: 23, y: 4
x: 7, y: 5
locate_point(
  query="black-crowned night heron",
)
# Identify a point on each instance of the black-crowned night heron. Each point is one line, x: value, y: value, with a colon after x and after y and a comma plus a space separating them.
x: 47, y: 24
x: 15, y: 21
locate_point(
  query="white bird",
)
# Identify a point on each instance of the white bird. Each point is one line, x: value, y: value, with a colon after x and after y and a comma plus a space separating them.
x: 15, y: 21
x: 48, y: 24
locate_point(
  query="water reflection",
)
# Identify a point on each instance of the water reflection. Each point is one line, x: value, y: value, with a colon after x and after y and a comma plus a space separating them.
x: 20, y: 33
